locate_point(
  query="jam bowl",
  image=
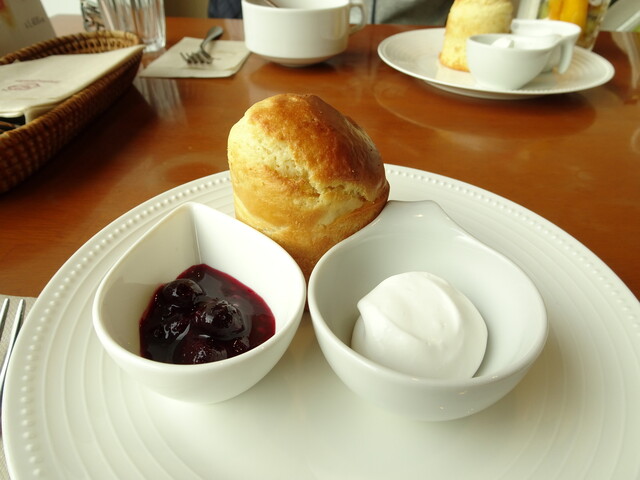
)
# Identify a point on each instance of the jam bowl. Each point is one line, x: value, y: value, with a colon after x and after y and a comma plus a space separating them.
x: 196, y: 235
x: 418, y: 236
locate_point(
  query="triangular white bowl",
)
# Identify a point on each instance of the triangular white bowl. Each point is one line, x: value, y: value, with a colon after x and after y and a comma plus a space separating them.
x: 419, y: 236
x: 189, y: 235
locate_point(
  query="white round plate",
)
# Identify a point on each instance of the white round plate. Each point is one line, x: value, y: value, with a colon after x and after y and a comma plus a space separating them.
x: 69, y: 412
x: 416, y: 54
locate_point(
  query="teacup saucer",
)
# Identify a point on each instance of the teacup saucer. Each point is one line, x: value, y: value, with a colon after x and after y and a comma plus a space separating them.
x: 415, y: 53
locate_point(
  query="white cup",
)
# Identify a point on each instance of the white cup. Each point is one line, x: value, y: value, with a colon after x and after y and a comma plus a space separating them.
x: 569, y: 32
x: 508, y: 62
x: 145, y: 18
x: 299, y: 32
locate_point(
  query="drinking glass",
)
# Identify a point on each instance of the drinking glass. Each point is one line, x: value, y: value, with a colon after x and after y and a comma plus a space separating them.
x: 588, y: 14
x: 145, y: 18
x: 91, y: 17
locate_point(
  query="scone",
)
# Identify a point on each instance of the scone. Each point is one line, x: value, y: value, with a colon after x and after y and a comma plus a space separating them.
x: 304, y: 174
x: 472, y: 17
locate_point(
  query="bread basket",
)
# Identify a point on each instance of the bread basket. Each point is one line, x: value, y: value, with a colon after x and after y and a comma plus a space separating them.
x: 25, y: 149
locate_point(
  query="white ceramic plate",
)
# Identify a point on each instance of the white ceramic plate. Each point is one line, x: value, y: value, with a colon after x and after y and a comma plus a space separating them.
x: 416, y: 54
x: 71, y: 413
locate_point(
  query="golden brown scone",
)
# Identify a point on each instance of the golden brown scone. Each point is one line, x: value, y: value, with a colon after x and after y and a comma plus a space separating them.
x: 304, y: 174
x: 472, y: 17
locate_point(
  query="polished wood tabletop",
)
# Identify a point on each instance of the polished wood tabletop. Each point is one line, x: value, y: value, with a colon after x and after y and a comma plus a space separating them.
x: 572, y: 158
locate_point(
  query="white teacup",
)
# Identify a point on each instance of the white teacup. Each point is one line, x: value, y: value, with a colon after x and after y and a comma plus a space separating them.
x: 508, y: 62
x: 299, y: 32
x: 569, y: 32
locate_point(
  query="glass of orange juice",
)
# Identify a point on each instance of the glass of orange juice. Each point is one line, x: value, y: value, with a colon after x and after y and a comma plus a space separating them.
x: 587, y: 14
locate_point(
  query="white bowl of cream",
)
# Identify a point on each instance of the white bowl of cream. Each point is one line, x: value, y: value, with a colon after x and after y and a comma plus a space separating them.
x: 419, y: 237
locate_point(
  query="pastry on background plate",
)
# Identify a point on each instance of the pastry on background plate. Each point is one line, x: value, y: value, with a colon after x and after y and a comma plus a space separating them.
x: 472, y: 17
x: 304, y: 174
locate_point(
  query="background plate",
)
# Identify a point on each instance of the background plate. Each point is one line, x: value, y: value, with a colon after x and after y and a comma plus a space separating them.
x: 416, y: 54
x: 74, y: 414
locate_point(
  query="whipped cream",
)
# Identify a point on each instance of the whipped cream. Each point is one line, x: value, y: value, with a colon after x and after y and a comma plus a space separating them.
x: 417, y: 323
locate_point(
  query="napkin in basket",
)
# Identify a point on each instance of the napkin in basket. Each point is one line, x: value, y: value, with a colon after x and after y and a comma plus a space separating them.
x: 33, y: 87
x: 228, y: 57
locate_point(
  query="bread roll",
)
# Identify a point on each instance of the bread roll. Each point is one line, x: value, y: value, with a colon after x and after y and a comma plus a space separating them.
x: 472, y: 17
x: 304, y: 174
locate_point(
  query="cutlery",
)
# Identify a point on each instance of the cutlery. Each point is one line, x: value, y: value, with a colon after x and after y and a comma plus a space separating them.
x: 17, y: 324
x: 202, y: 56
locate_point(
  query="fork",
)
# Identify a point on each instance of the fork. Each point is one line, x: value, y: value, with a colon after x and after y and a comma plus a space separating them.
x: 17, y: 324
x: 202, y: 56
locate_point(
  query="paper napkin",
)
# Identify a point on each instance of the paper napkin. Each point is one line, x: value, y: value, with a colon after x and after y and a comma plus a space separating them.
x: 228, y: 57
x: 33, y: 87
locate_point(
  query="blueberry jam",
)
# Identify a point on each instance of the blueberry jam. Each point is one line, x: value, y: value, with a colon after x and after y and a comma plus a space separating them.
x: 203, y: 316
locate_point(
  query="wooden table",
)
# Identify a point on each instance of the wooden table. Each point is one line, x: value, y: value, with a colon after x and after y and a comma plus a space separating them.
x: 573, y: 159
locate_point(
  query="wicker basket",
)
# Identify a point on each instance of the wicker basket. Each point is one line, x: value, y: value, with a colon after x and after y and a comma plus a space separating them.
x: 25, y: 149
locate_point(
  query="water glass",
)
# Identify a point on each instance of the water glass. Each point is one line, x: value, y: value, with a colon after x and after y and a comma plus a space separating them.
x: 91, y: 17
x: 145, y: 18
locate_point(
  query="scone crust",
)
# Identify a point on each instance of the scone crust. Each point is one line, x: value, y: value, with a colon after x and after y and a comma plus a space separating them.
x: 472, y: 17
x: 304, y: 174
